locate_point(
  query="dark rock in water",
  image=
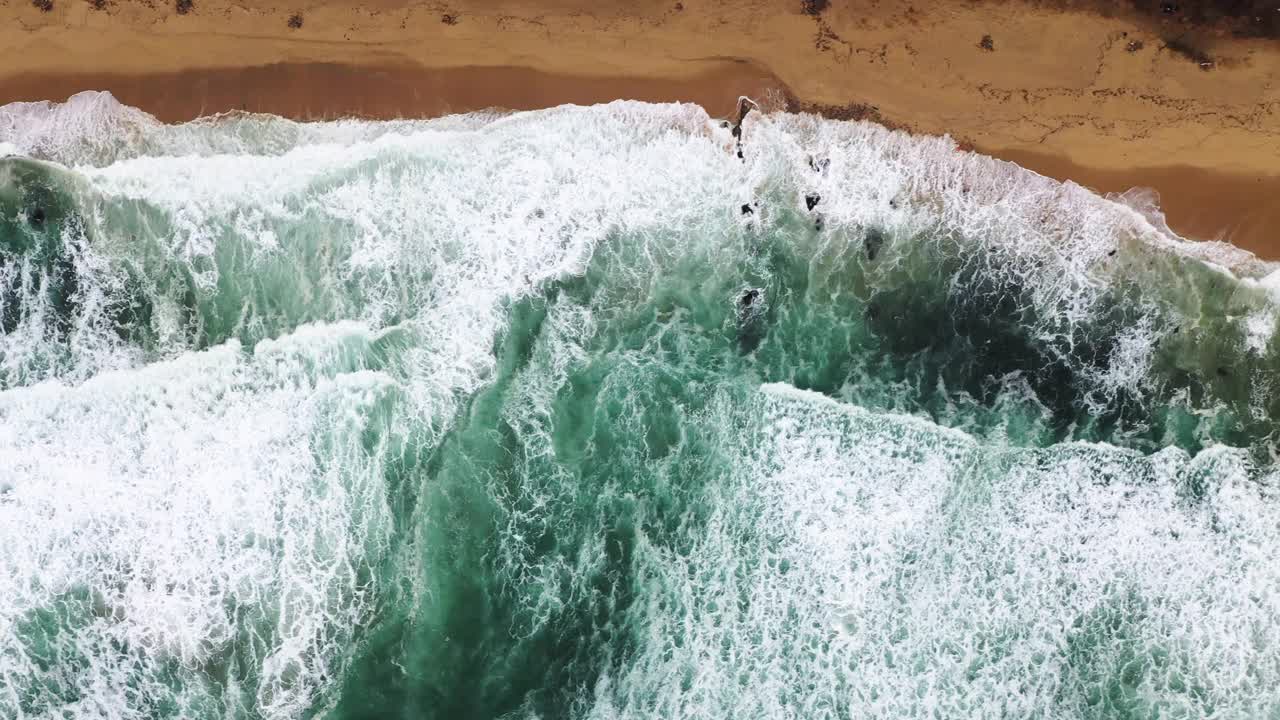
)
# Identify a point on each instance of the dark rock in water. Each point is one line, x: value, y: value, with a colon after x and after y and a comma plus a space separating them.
x: 750, y: 336
x: 37, y: 215
x: 751, y: 320
x: 872, y: 243
x: 817, y: 225
x: 746, y: 210
x: 42, y: 239
x: 811, y: 200
x: 10, y: 303
x: 745, y: 106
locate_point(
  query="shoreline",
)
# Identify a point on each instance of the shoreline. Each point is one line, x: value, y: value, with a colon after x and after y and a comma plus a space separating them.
x: 1061, y: 92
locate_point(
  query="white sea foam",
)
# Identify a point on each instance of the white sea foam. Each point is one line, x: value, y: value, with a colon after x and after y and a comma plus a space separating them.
x: 182, y: 508
x: 896, y: 569
x: 221, y: 498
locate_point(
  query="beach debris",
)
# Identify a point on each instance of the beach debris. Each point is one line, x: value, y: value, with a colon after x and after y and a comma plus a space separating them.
x: 679, y: 6
x: 814, y: 7
x: 449, y: 19
x: 1133, y: 46
x: 811, y: 200
x: 184, y: 6
x: 98, y: 4
x: 1168, y: 8
x: 43, y: 5
x: 987, y: 43
x: 295, y: 21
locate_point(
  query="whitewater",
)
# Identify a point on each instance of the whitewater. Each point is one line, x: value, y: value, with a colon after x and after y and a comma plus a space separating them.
x: 597, y: 412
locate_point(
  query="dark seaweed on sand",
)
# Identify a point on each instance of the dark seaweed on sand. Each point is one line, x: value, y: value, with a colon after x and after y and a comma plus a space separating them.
x: 814, y: 7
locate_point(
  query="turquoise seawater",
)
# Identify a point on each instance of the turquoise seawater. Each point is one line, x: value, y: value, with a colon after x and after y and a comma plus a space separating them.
x: 577, y: 414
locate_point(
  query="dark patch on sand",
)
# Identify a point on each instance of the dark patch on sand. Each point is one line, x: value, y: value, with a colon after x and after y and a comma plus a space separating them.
x: 1239, y: 18
x: 1183, y: 47
x: 814, y: 7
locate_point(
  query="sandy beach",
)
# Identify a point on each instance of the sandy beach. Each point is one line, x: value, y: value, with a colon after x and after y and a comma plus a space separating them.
x: 1182, y: 98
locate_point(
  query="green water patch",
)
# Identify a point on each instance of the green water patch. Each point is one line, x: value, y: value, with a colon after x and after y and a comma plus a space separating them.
x: 58, y: 290
x: 604, y: 445
x: 532, y: 511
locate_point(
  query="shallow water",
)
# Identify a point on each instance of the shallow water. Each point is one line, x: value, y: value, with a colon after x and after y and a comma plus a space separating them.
x: 576, y: 414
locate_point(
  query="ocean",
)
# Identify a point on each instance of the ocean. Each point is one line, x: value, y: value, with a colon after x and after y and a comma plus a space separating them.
x: 578, y: 413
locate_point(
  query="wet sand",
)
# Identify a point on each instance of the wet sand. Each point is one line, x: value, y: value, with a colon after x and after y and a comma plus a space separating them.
x: 1111, y: 96
x: 1238, y: 208
x: 321, y: 91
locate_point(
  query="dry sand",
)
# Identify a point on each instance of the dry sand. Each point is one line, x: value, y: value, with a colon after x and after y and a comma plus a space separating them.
x: 1111, y: 99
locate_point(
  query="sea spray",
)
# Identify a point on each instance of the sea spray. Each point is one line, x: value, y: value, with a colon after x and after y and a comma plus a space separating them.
x: 525, y: 416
